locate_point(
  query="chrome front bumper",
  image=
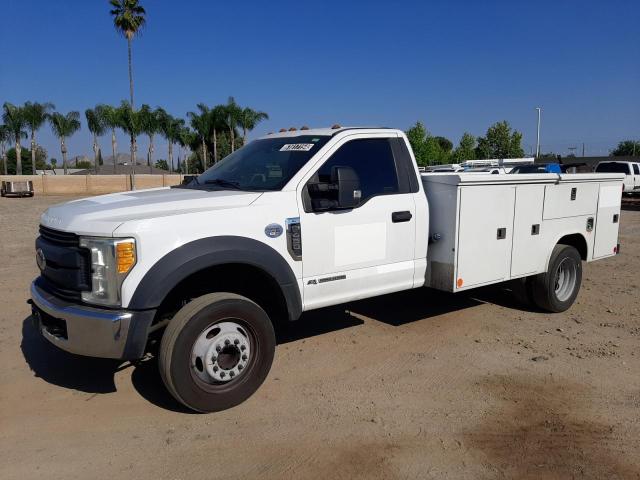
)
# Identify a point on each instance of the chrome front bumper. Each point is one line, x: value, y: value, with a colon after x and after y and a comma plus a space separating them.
x: 84, y: 330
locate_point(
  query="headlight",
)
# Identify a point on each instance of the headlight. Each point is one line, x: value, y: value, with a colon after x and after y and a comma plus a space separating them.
x: 111, y: 261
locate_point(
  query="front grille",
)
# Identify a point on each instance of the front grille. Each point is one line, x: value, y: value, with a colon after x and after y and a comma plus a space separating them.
x: 67, y: 272
x: 58, y: 237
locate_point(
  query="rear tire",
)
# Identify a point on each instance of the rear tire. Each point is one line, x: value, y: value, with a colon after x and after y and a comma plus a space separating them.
x: 216, y: 351
x: 557, y: 288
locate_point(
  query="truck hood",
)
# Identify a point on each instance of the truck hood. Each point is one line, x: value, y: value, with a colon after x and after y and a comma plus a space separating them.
x: 101, y: 215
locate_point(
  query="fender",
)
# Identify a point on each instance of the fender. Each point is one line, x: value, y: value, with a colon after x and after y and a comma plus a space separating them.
x: 560, y: 237
x: 194, y: 256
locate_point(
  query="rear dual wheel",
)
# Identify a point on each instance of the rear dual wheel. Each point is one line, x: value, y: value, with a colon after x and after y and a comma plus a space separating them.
x: 557, y: 288
x: 216, y: 351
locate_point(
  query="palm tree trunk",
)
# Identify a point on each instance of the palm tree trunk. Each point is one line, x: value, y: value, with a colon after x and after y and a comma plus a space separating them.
x: 150, y: 154
x: 114, y: 147
x: 63, y: 149
x: 170, y: 157
x: 95, y: 152
x: 133, y: 162
x: 215, y: 145
x: 244, y: 136
x: 18, y: 156
x: 130, y: 71
x: 204, y: 155
x: 33, y: 152
x: 231, y: 138
x: 4, y: 157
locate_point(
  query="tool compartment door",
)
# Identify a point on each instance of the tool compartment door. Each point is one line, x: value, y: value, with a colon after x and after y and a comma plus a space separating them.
x: 528, y: 247
x: 607, y: 221
x: 485, y: 233
x: 570, y: 200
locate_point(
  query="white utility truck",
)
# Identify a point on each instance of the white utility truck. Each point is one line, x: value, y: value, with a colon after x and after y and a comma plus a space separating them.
x: 296, y: 221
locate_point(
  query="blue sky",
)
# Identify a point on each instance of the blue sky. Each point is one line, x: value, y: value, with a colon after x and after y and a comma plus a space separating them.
x: 456, y: 65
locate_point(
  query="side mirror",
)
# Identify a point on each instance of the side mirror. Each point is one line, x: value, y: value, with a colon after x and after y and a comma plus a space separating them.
x: 348, y: 183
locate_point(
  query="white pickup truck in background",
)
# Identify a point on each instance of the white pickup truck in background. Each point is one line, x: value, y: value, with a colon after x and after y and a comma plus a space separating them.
x: 296, y: 221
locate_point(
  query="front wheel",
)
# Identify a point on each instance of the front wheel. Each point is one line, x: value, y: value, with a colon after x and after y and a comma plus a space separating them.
x: 216, y: 351
x: 557, y: 288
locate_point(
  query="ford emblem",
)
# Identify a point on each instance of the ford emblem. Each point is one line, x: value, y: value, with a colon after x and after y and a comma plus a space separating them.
x: 40, y: 259
x: 273, y: 230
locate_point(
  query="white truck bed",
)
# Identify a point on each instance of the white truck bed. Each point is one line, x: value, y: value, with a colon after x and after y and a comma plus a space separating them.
x: 488, y: 228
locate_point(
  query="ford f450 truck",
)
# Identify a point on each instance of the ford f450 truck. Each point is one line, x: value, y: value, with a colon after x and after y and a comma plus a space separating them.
x: 297, y: 221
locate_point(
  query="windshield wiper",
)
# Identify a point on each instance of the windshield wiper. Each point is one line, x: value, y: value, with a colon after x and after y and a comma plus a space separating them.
x: 223, y: 183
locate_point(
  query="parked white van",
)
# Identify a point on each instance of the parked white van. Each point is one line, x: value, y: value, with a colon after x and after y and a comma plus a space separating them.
x: 631, y: 172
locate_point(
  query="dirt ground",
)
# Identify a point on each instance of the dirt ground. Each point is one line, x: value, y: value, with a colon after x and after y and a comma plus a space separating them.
x: 419, y: 384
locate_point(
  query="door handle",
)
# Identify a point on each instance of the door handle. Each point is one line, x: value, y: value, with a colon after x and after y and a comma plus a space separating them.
x: 398, y: 217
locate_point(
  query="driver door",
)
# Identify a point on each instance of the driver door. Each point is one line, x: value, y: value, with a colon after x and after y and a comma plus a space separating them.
x: 367, y: 250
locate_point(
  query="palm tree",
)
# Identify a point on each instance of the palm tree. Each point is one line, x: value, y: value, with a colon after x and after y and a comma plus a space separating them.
x: 170, y: 128
x: 233, y: 111
x: 64, y: 126
x: 5, y: 138
x: 186, y: 138
x: 97, y: 126
x: 109, y: 116
x: 35, y: 114
x: 13, y: 118
x: 201, y: 123
x: 218, y: 116
x: 129, y: 19
x: 149, y: 125
x: 129, y: 122
x: 248, y: 120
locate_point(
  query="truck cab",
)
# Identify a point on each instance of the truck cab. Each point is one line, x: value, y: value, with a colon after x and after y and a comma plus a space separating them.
x: 295, y: 221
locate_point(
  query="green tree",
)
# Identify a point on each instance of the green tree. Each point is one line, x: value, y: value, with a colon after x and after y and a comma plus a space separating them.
x: 466, y: 149
x: 217, y: 119
x: 109, y: 116
x: 13, y: 118
x: 149, y: 125
x: 170, y: 128
x: 417, y: 136
x: 5, y: 140
x: 97, y: 126
x: 248, y: 120
x: 129, y: 122
x: 627, y: 148
x: 63, y: 127
x: 201, y: 124
x: 129, y: 19
x: 500, y: 142
x: 162, y: 164
x: 27, y: 167
x: 233, y: 113
x: 35, y: 114
x: 54, y: 163
x: 187, y: 139
x: 428, y: 150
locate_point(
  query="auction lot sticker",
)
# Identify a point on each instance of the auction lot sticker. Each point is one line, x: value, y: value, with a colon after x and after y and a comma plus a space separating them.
x: 296, y: 147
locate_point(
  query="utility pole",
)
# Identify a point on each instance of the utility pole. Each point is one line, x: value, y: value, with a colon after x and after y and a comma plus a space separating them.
x: 539, y: 109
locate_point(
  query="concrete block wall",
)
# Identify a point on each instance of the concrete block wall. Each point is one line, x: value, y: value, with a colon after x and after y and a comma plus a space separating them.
x: 92, y: 184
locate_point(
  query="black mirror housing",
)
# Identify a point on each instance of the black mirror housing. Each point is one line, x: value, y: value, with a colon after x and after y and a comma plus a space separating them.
x: 348, y: 183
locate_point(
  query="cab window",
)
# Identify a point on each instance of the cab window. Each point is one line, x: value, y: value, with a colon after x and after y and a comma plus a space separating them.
x: 371, y: 159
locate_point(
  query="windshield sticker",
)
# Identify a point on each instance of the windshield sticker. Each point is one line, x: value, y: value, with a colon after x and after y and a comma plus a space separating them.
x: 297, y: 147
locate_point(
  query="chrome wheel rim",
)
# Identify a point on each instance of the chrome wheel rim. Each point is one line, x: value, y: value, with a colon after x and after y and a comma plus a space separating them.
x: 566, y: 278
x: 221, y: 353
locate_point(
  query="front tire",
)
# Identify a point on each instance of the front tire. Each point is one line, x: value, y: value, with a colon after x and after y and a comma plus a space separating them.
x: 216, y: 351
x: 557, y: 288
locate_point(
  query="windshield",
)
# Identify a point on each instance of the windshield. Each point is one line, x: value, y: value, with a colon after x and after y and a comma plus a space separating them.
x: 261, y: 165
x: 612, y: 167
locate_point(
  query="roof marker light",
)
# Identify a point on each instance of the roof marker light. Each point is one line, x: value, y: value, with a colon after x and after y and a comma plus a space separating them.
x: 335, y: 126
x: 304, y: 127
